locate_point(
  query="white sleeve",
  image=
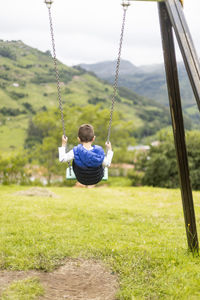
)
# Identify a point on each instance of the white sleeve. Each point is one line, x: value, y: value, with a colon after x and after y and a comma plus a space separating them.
x: 108, y: 159
x: 63, y: 156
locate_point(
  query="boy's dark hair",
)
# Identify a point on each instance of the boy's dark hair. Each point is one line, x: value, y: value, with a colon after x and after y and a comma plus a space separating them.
x: 86, y: 133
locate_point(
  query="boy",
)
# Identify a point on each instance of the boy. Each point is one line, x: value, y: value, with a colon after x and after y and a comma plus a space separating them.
x: 88, y: 160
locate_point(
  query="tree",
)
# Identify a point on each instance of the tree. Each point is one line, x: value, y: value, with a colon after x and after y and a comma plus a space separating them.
x: 12, y: 169
x: 48, y: 124
x: 47, y: 156
x: 160, y: 166
x: 45, y: 131
x: 7, y: 52
x: 3, y: 170
x: 193, y: 148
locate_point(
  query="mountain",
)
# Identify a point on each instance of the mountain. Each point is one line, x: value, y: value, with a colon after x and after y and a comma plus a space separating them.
x: 106, y: 69
x: 148, y: 81
x: 27, y: 86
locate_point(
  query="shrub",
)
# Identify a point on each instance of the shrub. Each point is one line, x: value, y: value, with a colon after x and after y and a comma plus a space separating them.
x: 96, y: 100
x: 7, y: 52
x: 17, y: 95
x: 43, y: 78
x: 135, y: 177
x: 12, y: 170
x: 48, y: 53
x: 11, y: 111
x: 160, y: 165
x: 29, y: 107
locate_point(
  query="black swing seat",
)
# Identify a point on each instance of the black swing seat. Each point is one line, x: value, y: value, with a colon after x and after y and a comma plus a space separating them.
x: 88, y: 175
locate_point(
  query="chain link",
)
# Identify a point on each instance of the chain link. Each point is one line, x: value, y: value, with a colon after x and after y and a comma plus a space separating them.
x: 56, y: 71
x: 57, y: 79
x: 115, y: 86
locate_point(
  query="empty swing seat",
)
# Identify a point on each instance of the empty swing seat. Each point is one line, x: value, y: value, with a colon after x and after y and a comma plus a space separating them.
x: 87, y: 175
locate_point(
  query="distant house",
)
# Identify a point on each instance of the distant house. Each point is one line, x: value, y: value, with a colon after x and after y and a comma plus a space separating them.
x: 155, y: 143
x: 138, y: 148
x: 143, y: 147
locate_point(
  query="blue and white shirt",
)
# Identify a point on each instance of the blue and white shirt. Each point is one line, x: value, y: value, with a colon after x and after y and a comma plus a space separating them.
x: 83, y: 157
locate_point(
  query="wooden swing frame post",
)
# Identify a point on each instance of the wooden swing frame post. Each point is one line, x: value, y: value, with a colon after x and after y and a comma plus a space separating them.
x: 171, y: 17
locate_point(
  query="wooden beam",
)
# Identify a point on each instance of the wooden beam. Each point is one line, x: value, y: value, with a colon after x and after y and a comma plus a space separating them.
x: 186, y: 45
x: 181, y: 1
x: 149, y: 0
x: 178, y: 125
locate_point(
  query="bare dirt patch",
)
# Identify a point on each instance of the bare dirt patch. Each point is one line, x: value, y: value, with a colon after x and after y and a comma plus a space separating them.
x: 77, y: 279
x: 36, y: 191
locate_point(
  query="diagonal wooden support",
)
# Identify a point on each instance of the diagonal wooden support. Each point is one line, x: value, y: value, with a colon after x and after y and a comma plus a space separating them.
x: 186, y: 45
x: 177, y: 121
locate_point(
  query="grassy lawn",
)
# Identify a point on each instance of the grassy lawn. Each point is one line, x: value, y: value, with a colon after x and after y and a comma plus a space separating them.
x: 138, y: 232
x: 28, y: 289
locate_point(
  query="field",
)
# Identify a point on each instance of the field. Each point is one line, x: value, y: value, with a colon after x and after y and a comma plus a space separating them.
x: 137, y: 232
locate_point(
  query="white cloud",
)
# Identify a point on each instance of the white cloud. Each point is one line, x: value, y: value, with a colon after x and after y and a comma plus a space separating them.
x: 88, y: 31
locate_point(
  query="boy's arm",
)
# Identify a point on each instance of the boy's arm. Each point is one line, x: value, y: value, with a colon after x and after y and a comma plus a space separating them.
x: 63, y: 156
x: 108, y: 158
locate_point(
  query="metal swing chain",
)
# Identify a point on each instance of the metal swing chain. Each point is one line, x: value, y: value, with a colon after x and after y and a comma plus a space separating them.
x: 115, y: 86
x: 56, y: 69
x: 49, y: 2
x: 125, y: 5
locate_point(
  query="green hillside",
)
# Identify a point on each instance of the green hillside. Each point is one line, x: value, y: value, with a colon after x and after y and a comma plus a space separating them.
x: 27, y: 86
x: 149, y: 81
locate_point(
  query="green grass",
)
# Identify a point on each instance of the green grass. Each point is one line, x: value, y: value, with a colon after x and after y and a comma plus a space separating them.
x: 139, y: 232
x: 27, y: 289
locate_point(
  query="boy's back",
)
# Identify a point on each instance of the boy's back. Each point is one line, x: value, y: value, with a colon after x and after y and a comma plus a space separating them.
x: 88, y: 160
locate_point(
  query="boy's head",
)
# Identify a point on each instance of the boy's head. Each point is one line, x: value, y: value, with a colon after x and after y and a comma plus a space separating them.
x: 86, y: 133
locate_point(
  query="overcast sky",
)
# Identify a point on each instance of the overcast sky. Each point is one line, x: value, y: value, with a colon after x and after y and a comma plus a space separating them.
x: 87, y: 31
